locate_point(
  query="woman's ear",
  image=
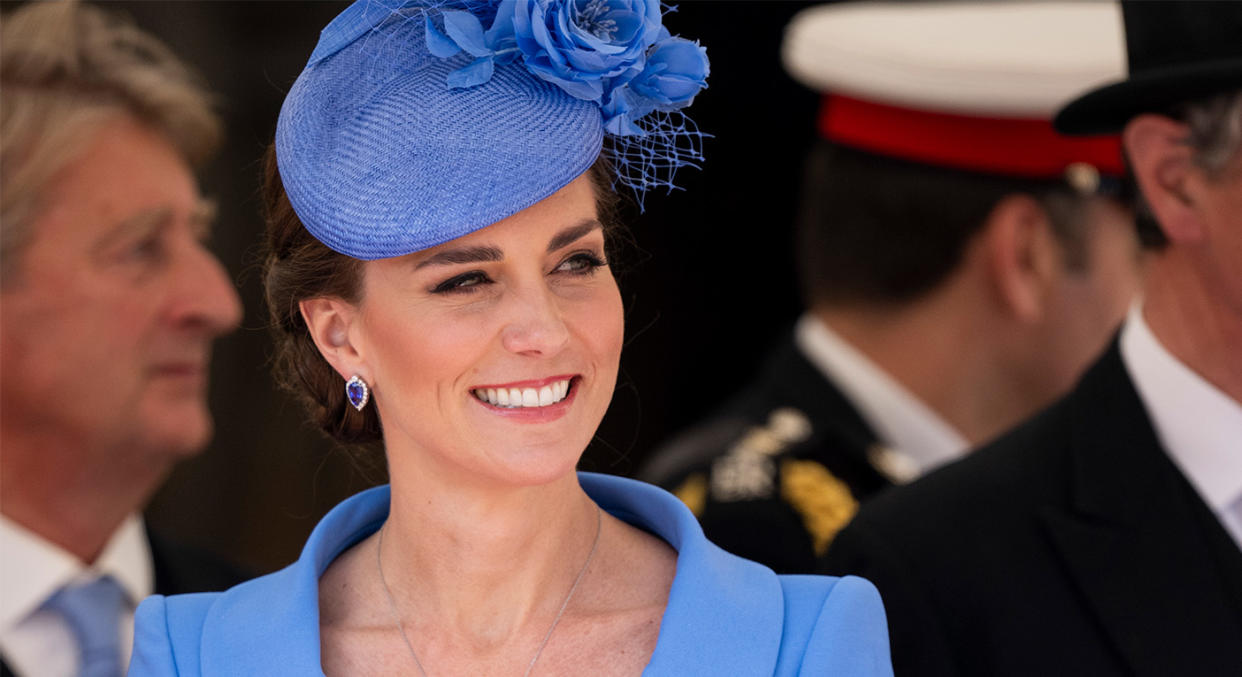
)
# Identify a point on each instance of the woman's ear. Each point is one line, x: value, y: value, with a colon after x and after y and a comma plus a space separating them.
x: 1024, y: 259
x: 330, y: 321
x: 1164, y: 168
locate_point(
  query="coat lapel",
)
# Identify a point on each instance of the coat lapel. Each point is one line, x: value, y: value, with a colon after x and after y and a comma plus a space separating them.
x: 270, y: 625
x: 725, y: 615
x: 1131, y: 539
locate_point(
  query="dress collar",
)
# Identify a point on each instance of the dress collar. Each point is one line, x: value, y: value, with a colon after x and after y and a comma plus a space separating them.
x: 724, y: 614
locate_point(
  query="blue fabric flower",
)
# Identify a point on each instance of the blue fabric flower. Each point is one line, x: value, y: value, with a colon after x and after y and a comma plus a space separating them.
x: 614, y: 53
x: 464, y: 32
x: 676, y: 71
x: 579, y: 45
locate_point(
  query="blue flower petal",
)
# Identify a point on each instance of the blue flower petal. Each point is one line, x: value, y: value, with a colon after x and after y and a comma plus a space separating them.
x: 466, y: 31
x: 544, y: 38
x: 438, y: 43
x: 478, y: 72
x: 682, y: 56
x: 628, y: 25
x: 622, y: 126
x: 502, y: 27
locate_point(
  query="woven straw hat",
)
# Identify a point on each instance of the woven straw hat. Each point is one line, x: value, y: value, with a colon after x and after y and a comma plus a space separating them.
x: 380, y: 158
x: 415, y: 123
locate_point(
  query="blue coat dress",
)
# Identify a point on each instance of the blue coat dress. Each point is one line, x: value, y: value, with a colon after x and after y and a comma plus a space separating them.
x: 725, y: 615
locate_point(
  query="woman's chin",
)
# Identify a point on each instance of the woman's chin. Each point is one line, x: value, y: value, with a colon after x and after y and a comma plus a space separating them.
x: 536, y: 466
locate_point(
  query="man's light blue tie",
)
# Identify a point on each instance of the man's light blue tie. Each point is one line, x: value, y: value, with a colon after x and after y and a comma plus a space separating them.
x: 93, y: 611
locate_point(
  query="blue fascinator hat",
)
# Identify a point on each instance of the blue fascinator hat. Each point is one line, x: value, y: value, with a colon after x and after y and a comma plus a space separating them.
x: 415, y: 123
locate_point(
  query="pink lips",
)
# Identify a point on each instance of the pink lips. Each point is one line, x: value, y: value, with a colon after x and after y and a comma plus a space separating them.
x: 539, y: 383
x: 543, y: 414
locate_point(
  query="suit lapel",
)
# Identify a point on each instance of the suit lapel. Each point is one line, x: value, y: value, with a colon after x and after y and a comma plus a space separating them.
x: 1132, y: 542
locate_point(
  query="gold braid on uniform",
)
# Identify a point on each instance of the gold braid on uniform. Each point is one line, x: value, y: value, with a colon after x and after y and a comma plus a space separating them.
x: 693, y: 492
x: 824, y: 501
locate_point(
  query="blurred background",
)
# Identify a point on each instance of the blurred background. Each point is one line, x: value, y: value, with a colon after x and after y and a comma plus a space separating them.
x: 709, y: 287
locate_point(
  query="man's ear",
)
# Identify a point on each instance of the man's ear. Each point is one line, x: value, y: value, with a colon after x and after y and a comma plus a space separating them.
x: 330, y: 321
x: 1164, y: 168
x: 1022, y: 254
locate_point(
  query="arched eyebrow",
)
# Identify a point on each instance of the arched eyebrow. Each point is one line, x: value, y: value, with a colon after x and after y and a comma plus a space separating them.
x: 462, y: 255
x: 569, y: 235
x: 487, y: 253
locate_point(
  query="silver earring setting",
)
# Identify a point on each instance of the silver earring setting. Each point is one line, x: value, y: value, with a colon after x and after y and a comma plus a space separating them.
x: 357, y: 392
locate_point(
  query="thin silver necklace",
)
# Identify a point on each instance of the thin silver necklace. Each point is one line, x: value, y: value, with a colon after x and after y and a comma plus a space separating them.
x: 396, y: 616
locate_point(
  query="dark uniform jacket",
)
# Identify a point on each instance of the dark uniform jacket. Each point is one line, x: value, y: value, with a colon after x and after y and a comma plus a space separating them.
x: 778, y: 470
x: 179, y: 569
x: 1070, y: 546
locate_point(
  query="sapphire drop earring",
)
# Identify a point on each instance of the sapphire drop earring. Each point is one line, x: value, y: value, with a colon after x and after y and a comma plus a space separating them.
x: 357, y: 391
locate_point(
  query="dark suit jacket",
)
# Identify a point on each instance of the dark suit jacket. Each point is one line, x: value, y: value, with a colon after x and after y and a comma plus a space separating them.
x: 180, y: 569
x: 767, y: 490
x: 1071, y: 546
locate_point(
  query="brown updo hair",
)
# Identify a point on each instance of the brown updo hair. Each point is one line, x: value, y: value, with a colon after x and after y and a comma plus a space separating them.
x: 298, y: 267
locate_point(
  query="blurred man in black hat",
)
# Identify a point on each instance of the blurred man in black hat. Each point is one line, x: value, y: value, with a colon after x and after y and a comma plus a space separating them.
x: 109, y: 302
x: 1103, y: 537
x: 961, y: 264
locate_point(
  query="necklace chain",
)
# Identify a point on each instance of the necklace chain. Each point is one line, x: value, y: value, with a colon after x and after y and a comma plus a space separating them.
x: 396, y: 616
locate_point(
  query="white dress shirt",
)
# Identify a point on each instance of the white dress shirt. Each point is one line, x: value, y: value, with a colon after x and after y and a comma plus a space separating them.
x: 38, y: 643
x: 918, y: 439
x: 1197, y: 424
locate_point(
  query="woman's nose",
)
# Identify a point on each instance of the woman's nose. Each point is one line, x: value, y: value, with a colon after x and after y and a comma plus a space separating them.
x: 537, y: 326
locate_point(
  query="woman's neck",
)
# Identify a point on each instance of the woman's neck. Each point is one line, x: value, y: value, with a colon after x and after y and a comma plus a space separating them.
x: 483, y: 561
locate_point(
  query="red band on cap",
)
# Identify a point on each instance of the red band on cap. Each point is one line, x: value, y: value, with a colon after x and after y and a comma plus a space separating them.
x: 1027, y: 148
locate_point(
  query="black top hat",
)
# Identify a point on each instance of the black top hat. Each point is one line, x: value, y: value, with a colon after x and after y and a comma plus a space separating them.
x: 1179, y: 50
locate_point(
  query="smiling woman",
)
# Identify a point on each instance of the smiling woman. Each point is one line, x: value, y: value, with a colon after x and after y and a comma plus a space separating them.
x: 440, y: 207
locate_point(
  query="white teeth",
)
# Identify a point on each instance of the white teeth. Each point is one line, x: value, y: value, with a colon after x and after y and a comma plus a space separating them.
x: 524, y: 397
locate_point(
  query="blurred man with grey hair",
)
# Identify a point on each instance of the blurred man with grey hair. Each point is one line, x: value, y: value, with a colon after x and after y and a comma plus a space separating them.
x: 109, y: 302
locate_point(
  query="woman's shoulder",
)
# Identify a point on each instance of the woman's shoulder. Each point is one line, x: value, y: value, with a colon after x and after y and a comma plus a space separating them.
x: 267, y: 625
x: 267, y: 622
x: 833, y: 625
x: 729, y: 615
x: 166, y: 634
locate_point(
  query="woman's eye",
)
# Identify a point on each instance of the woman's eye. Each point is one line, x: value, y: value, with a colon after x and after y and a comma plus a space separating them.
x: 462, y: 283
x: 582, y: 263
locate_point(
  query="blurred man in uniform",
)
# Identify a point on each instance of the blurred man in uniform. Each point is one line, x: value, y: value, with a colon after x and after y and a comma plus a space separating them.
x: 961, y: 264
x: 109, y: 302
x: 1103, y: 536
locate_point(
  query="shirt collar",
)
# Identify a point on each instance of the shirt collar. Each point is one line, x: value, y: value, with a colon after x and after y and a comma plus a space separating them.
x: 1197, y: 424
x: 33, y: 568
x: 899, y: 418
